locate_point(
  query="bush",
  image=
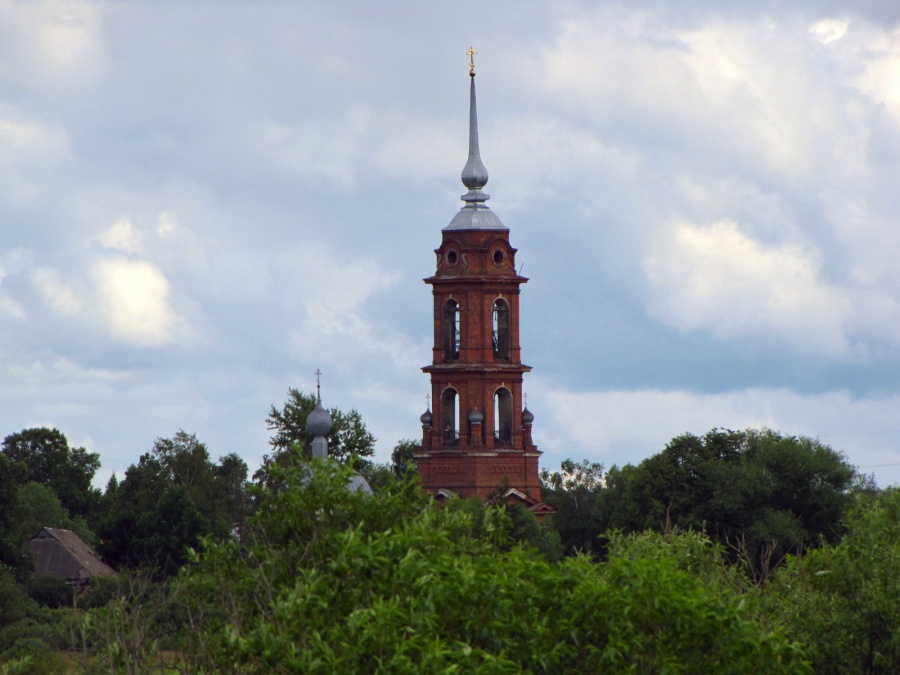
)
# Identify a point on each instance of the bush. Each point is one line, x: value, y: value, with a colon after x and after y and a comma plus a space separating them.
x: 26, y: 647
x: 49, y: 591
x: 26, y: 629
x: 843, y: 600
x: 339, y: 582
x: 14, y: 602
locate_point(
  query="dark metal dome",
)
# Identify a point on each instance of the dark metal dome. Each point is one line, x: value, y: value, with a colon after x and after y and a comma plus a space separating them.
x: 319, y: 421
x: 527, y: 417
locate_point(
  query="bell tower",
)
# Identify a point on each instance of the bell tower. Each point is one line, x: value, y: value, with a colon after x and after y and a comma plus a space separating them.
x: 478, y: 435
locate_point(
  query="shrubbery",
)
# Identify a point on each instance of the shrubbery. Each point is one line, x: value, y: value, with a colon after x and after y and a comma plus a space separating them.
x: 313, y: 578
x: 338, y: 582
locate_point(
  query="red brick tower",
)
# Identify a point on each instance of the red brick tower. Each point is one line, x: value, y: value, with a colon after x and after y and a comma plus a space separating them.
x: 479, y: 435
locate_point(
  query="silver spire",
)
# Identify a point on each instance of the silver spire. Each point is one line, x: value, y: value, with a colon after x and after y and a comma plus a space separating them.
x: 475, y: 215
x: 474, y: 174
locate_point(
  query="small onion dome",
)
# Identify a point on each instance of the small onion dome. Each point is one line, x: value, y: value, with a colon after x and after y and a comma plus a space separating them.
x: 476, y: 416
x: 527, y: 417
x: 426, y: 417
x: 319, y: 421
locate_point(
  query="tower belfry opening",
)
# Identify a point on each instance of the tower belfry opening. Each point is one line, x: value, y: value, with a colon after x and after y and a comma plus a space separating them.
x: 479, y: 435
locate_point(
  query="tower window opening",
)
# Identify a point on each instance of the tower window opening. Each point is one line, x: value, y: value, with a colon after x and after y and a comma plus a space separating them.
x: 500, y: 330
x: 503, y: 417
x: 449, y: 428
x: 498, y: 257
x: 450, y: 330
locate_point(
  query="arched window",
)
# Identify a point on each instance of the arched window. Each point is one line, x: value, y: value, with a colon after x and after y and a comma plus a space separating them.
x: 450, y: 330
x: 501, y: 329
x: 503, y: 416
x: 449, y: 430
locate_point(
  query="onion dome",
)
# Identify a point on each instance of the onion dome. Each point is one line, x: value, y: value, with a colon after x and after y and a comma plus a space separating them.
x: 426, y: 417
x: 476, y: 416
x: 527, y: 417
x: 319, y: 421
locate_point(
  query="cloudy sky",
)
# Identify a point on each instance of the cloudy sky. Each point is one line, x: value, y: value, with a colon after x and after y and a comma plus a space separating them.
x: 201, y: 203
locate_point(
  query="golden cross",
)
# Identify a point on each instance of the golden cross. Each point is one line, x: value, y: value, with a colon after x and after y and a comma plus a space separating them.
x: 471, y: 54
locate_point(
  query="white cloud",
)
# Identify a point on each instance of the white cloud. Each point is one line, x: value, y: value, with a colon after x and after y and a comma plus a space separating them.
x: 719, y: 281
x: 335, y: 326
x: 10, y: 307
x: 166, y: 223
x: 30, y: 151
x: 49, y: 43
x: 362, y: 143
x: 749, y: 94
x: 829, y: 30
x: 872, y: 60
x: 122, y: 236
x: 39, y: 375
x: 11, y: 262
x: 28, y: 138
x: 134, y: 301
x: 56, y: 292
x: 627, y: 426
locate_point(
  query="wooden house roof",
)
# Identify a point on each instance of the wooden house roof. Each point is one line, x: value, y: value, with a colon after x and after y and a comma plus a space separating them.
x: 63, y: 554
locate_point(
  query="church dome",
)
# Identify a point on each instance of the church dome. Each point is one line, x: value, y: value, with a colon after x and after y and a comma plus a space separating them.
x: 358, y: 484
x: 319, y: 421
x: 527, y: 417
x: 476, y: 416
x: 426, y: 417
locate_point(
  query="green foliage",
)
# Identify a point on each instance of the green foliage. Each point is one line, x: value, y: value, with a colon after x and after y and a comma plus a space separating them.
x: 165, y: 532
x: 348, y: 442
x: 38, y: 506
x: 171, y: 498
x: 340, y: 582
x: 44, y: 456
x: 576, y: 493
x: 402, y: 460
x: 11, y: 555
x: 15, y: 604
x: 133, y: 630
x: 378, y: 475
x: 761, y: 494
x: 843, y: 599
x: 49, y: 591
x: 525, y: 530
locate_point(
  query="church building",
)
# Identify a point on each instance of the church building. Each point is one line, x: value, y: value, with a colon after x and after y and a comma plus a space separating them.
x: 478, y: 437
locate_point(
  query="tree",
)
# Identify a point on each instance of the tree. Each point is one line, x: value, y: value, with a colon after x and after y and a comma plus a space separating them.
x: 174, y: 495
x: 759, y: 493
x: 44, y: 457
x: 348, y: 439
x: 343, y: 582
x: 11, y: 555
x: 402, y: 459
x: 38, y: 506
x: 841, y: 599
x: 575, y: 490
